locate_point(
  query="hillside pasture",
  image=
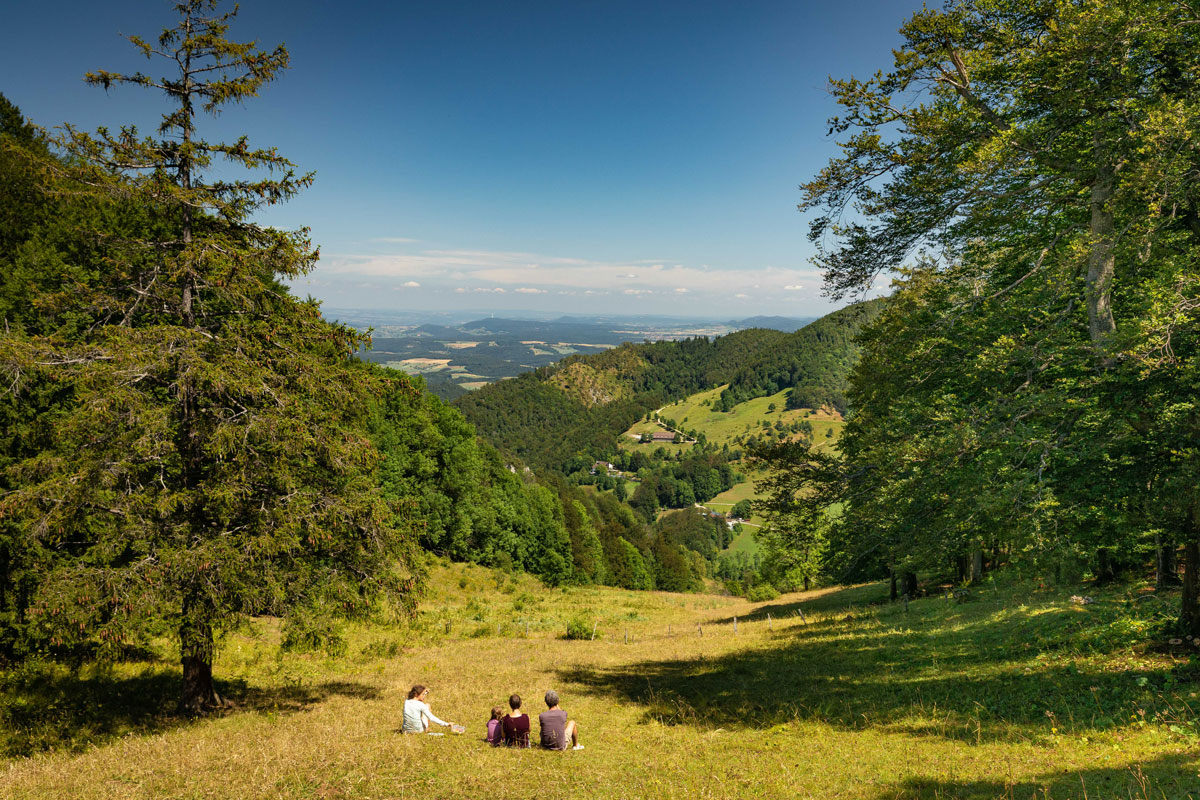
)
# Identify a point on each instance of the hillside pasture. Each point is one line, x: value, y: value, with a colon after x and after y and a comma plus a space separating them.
x: 1019, y: 693
x: 719, y: 427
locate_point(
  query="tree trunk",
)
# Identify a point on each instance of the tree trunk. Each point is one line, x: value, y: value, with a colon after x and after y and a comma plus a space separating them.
x: 1189, y: 607
x: 807, y: 583
x: 1166, y: 571
x: 977, y: 566
x: 960, y: 566
x: 196, y: 651
x: 910, y: 584
x: 1105, y: 573
x: 1102, y: 256
x: 894, y: 593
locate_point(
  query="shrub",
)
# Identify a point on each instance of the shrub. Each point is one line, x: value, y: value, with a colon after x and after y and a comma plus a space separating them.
x: 761, y: 592
x: 579, y: 628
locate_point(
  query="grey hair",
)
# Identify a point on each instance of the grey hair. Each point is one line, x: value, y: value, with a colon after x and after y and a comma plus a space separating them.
x: 551, y: 698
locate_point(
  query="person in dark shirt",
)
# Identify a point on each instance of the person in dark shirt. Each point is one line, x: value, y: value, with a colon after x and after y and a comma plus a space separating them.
x: 558, y: 733
x: 515, y: 725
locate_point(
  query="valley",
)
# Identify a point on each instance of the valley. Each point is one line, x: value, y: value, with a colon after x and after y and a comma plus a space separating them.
x: 456, y: 357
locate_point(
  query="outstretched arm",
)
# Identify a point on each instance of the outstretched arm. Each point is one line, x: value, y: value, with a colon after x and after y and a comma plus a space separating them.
x: 428, y: 712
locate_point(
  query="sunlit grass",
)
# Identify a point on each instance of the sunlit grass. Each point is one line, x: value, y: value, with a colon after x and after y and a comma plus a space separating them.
x: 834, y: 693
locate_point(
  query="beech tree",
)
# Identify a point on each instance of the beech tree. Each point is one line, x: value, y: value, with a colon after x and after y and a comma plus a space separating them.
x: 1028, y: 170
x: 213, y: 460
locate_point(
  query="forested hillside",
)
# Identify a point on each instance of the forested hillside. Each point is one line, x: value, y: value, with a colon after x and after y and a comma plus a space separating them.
x: 577, y: 407
x: 813, y: 364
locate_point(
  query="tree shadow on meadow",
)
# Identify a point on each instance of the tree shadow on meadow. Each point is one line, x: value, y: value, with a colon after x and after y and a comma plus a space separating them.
x: 964, y: 672
x: 846, y: 599
x: 50, y: 707
x: 1171, y: 776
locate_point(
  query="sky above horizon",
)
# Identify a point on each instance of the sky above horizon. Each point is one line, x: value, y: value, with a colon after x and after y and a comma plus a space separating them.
x: 580, y: 157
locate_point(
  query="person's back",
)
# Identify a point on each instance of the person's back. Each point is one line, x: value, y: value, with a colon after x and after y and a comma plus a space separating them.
x: 414, y: 721
x: 495, y: 727
x: 516, y: 730
x: 558, y: 733
x: 554, y: 729
x: 515, y: 726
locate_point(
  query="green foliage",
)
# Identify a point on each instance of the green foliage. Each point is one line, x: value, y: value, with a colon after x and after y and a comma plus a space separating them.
x: 627, y: 566
x: 303, y: 633
x: 813, y: 363
x: 206, y: 451
x: 1027, y: 394
x: 579, y: 628
x: 761, y: 592
x: 470, y: 504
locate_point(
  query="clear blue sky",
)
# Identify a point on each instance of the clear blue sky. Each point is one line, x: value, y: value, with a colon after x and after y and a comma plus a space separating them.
x: 561, y: 155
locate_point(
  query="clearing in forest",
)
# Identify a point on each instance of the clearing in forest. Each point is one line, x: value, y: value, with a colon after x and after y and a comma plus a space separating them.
x: 1016, y: 693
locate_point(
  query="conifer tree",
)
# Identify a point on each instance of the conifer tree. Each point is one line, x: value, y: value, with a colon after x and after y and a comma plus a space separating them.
x: 214, y: 461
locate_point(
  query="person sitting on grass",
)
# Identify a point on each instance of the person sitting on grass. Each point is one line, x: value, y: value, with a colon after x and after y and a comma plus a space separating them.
x: 495, y: 727
x: 417, y: 713
x: 557, y: 730
x: 515, y: 724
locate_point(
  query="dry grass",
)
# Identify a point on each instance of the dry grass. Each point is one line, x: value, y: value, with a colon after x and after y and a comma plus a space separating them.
x: 855, y: 701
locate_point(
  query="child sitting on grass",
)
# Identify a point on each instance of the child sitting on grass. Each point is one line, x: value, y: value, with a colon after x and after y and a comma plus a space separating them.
x: 495, y: 727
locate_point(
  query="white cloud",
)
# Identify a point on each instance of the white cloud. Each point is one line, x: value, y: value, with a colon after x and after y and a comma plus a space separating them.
x: 682, y: 290
x: 394, y: 240
x: 412, y: 285
x: 526, y: 273
x: 741, y: 296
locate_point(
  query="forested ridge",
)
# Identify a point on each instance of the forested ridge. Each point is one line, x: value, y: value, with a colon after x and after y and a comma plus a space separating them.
x: 578, y: 406
x: 813, y: 363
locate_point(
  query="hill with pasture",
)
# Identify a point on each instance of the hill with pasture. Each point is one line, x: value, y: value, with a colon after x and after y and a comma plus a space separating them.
x: 582, y: 405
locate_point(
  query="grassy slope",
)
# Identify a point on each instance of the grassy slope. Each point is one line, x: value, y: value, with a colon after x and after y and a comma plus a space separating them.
x: 695, y: 413
x: 1019, y: 694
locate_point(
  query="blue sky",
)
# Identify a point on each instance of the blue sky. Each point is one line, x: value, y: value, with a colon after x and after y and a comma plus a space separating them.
x: 610, y: 157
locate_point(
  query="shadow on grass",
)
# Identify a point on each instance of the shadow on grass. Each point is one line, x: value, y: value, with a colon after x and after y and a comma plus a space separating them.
x: 1172, y: 776
x: 51, y: 707
x: 972, y: 672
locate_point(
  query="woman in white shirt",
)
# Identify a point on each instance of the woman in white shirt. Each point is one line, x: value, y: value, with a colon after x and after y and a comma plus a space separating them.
x: 417, y: 714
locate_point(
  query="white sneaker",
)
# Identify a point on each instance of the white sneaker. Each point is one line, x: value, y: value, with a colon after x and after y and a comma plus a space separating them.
x: 577, y: 747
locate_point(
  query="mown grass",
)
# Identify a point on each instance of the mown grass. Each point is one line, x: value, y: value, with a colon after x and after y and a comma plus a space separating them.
x: 1019, y: 693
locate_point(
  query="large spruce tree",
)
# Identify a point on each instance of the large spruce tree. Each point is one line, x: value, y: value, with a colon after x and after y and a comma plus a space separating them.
x: 212, y: 458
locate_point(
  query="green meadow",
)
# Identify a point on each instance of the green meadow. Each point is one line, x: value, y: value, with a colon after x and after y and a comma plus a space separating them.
x: 1016, y: 693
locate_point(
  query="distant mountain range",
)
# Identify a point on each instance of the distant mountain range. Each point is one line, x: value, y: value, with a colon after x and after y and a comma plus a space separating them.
x: 457, y: 356
x: 785, y: 324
